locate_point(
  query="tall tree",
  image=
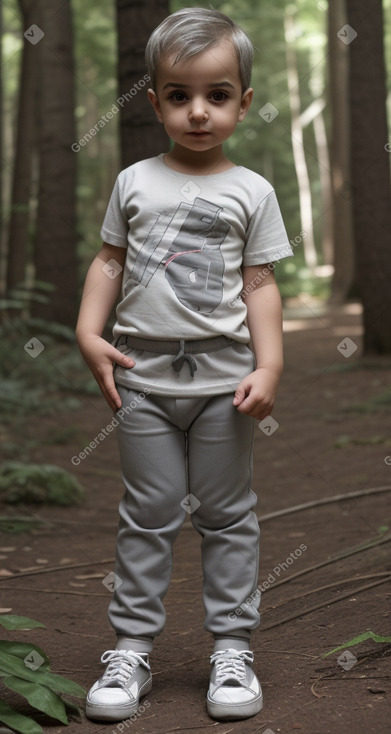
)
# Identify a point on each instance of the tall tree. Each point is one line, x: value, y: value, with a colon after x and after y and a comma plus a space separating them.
x: 305, y: 198
x: 141, y: 135
x: 24, y: 145
x: 55, y: 247
x: 1, y: 131
x: 370, y: 169
x: 338, y: 89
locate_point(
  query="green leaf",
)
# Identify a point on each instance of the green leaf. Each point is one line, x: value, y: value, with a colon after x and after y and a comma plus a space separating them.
x: 23, y: 649
x: 40, y: 697
x: 15, y: 622
x: 59, y: 684
x: 20, y: 524
x: 15, y: 666
x: 18, y: 722
x: 369, y: 635
x: 71, y: 709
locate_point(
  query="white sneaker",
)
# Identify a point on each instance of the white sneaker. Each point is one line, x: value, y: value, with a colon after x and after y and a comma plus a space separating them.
x: 115, y: 696
x: 234, y: 690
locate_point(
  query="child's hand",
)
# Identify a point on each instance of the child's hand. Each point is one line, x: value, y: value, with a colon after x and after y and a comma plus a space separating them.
x: 100, y: 357
x: 256, y: 393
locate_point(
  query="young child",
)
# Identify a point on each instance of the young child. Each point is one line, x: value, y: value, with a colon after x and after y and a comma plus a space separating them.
x: 194, y: 237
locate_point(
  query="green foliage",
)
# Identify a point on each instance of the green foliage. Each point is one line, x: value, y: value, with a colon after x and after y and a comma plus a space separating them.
x: 21, y: 524
x: 373, y: 405
x: 369, y: 635
x: 16, y: 622
x: 38, y: 483
x: 29, y: 383
x: 256, y: 144
x: 344, y: 441
x: 25, y: 669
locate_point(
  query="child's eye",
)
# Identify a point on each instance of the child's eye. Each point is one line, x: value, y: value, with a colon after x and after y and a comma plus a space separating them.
x: 178, y: 96
x: 219, y: 96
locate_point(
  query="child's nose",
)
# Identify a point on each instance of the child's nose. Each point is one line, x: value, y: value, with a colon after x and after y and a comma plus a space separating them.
x: 198, y: 110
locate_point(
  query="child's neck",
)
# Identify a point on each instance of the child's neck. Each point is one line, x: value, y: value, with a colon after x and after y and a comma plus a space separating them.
x: 198, y: 163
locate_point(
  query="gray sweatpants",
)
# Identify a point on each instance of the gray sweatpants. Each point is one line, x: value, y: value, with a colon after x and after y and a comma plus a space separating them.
x: 179, y: 456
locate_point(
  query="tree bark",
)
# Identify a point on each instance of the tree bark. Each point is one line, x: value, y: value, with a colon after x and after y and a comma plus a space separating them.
x: 24, y: 144
x: 141, y: 135
x: 305, y: 198
x: 1, y: 142
x: 55, y: 248
x: 370, y: 167
x: 343, y: 250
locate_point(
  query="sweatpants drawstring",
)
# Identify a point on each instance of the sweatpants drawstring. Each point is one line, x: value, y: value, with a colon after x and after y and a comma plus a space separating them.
x: 181, y: 357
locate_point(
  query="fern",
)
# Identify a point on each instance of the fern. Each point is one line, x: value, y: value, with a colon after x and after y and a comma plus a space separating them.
x: 25, y: 669
x: 39, y: 483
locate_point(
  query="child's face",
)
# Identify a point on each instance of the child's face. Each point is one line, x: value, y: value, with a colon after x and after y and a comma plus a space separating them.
x: 199, y: 100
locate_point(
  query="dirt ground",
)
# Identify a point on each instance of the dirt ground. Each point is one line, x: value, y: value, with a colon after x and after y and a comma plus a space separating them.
x: 324, y: 447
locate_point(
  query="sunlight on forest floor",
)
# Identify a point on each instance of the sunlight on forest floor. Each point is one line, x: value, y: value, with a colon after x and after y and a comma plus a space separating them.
x: 300, y: 314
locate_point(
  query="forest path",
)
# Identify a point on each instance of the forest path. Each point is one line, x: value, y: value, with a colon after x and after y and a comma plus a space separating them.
x: 324, y: 446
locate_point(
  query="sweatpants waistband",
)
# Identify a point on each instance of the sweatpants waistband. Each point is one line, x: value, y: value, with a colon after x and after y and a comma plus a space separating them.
x: 182, y: 349
x: 193, y: 346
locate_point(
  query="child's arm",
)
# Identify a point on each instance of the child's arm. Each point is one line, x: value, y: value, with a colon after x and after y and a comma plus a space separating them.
x: 256, y: 393
x: 99, y: 296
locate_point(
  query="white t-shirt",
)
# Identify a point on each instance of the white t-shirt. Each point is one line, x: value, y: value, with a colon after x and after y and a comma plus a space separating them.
x: 187, y: 238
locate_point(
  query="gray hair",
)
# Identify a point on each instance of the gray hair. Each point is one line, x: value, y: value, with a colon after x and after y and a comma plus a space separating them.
x: 191, y: 31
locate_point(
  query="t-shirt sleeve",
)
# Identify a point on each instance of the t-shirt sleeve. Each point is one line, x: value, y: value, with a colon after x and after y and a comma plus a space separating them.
x: 267, y: 240
x: 115, y: 224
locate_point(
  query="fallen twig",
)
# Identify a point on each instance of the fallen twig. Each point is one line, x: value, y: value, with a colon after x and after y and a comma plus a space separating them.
x: 189, y: 728
x: 58, y: 568
x: 318, y: 695
x: 345, y: 554
x: 327, y: 603
x: 323, y: 501
x: 264, y: 650
x: 55, y: 591
x: 323, y: 588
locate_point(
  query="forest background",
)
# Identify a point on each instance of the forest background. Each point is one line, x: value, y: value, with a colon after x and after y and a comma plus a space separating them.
x: 74, y: 112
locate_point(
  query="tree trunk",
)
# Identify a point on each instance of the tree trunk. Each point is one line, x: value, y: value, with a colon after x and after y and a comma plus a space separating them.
x: 24, y: 144
x: 141, y: 135
x: 305, y: 199
x: 343, y: 258
x: 55, y: 250
x: 1, y: 148
x: 370, y: 168
x: 325, y: 187
x: 314, y: 114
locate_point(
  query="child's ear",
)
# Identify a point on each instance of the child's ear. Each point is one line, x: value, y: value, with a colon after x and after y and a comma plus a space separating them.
x: 247, y: 98
x: 152, y: 96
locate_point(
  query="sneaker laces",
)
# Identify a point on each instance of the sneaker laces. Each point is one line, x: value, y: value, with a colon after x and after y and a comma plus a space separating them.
x: 230, y: 665
x: 121, y: 666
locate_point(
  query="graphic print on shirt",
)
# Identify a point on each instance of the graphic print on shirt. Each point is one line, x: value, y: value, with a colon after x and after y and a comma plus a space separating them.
x: 188, y: 244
